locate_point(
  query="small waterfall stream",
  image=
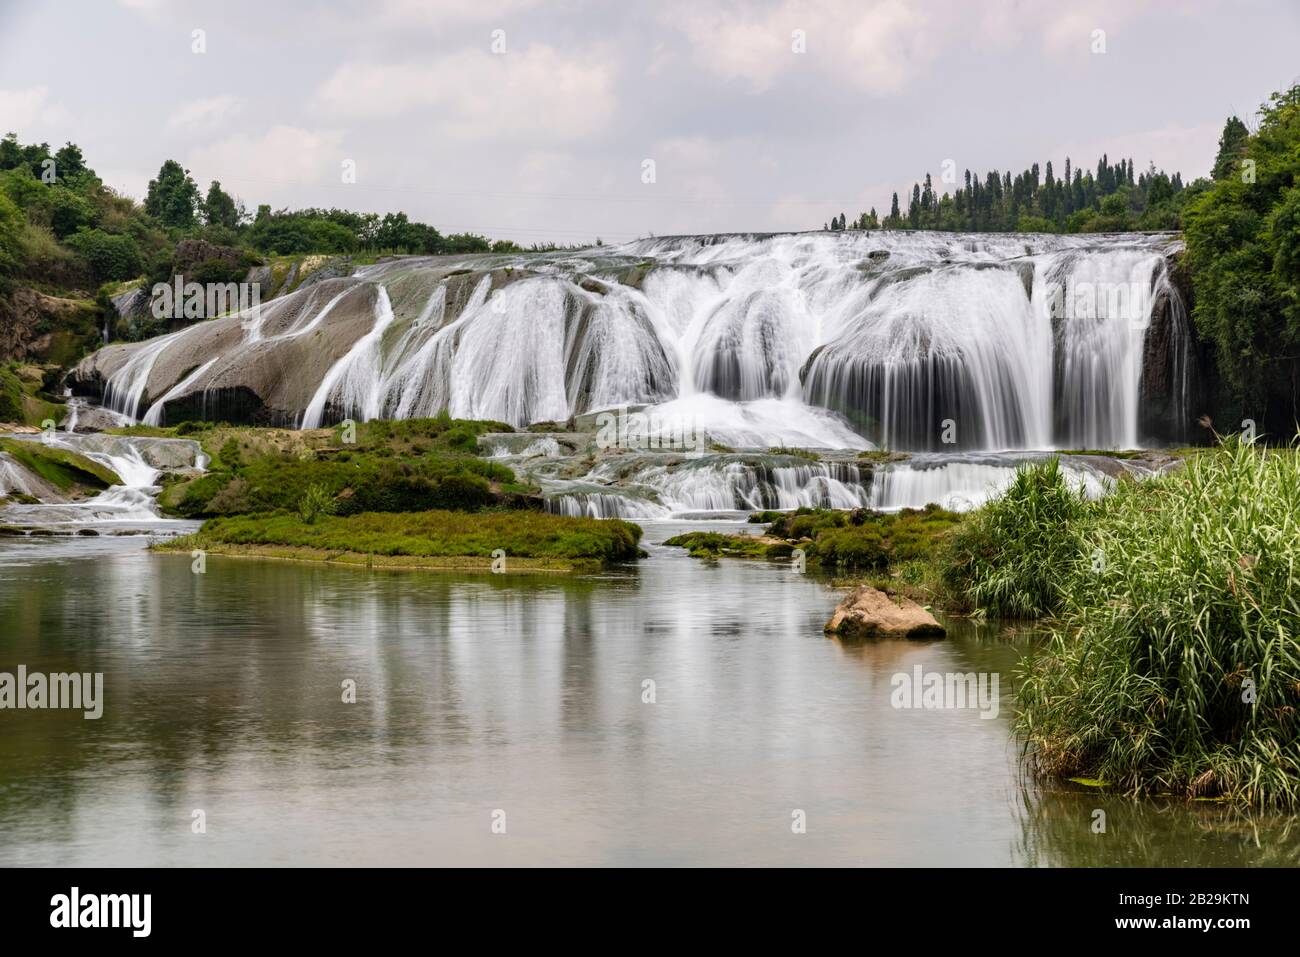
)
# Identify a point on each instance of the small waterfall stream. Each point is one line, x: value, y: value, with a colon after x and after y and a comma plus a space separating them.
x: 137, y: 461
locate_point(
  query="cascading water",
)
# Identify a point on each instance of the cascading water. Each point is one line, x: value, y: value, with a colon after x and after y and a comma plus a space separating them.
x: 921, y: 342
x: 918, y: 341
x: 745, y: 482
x: 138, y: 461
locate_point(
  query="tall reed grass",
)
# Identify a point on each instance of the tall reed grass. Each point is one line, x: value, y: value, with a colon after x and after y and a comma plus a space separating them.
x: 1176, y: 667
x: 1013, y: 558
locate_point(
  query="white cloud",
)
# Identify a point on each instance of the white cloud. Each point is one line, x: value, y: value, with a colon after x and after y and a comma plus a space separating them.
x: 206, y: 112
x: 534, y: 94
x: 445, y: 13
x: 876, y: 47
x: 22, y: 111
x: 879, y: 46
x: 281, y: 157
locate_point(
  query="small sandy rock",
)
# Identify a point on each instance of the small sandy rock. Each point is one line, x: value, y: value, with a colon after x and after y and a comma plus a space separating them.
x: 869, y: 613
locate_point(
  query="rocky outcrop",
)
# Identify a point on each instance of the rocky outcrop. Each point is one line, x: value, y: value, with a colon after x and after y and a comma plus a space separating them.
x: 265, y: 374
x: 869, y: 613
x: 35, y: 327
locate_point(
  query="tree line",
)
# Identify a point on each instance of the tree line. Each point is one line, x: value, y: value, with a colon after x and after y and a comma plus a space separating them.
x: 1112, y: 197
x: 62, y: 228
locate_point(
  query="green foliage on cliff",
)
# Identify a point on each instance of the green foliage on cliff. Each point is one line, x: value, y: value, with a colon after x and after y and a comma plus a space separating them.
x: 1243, y: 249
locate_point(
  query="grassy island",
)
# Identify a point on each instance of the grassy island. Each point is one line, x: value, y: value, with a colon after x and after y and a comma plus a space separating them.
x: 397, y: 494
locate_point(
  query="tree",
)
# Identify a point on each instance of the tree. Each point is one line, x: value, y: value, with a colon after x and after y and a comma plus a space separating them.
x: 1243, y: 250
x: 1231, y: 143
x: 11, y: 231
x: 68, y: 161
x: 219, y: 208
x: 173, y: 197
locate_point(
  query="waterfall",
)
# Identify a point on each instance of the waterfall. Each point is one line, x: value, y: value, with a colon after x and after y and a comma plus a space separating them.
x: 352, y: 385
x: 138, y: 461
x: 652, y: 488
x: 124, y: 391
x: 748, y: 483
x: 155, y: 414
x: 910, y: 341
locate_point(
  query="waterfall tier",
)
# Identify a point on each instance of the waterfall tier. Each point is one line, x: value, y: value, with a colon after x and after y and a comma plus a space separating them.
x: 916, y: 341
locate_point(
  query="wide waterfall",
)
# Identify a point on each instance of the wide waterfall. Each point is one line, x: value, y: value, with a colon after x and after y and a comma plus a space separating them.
x: 907, y: 341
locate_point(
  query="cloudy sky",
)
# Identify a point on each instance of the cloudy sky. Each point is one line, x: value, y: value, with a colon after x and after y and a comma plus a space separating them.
x: 533, y: 120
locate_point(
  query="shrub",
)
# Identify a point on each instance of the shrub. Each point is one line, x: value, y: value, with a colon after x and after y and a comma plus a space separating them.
x: 315, y: 502
x: 110, y: 258
x: 1013, y: 556
x: 11, y: 397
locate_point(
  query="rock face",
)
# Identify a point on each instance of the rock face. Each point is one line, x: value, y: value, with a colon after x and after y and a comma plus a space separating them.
x: 869, y: 613
x: 35, y: 327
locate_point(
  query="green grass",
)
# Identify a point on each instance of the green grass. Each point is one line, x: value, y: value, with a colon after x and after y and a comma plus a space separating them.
x: 409, y: 465
x: 1189, y: 608
x: 860, y: 540
x: 11, y: 397
x: 714, y: 545
x: 1013, y: 557
x: 795, y: 453
x: 62, y: 468
x: 1109, y: 453
x: 577, y: 542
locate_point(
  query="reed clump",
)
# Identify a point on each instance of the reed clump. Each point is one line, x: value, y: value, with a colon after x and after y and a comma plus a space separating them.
x: 1176, y: 664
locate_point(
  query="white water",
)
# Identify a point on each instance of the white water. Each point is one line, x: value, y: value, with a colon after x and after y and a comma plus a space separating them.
x: 827, y: 340
x: 351, y: 380
x: 665, y: 487
x: 137, y: 461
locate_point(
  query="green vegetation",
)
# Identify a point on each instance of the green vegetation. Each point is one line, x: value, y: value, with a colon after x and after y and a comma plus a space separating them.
x: 1116, y: 198
x: 11, y: 396
x: 423, y: 539
x: 1012, y: 557
x: 1176, y: 668
x: 715, y: 544
x: 1243, y: 250
x: 65, y: 234
x: 402, y: 494
x: 795, y: 453
x: 405, y: 466
x: 63, y: 468
x: 861, y: 540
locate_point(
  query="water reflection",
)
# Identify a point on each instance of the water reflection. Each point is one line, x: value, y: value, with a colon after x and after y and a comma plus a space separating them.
x: 476, y: 693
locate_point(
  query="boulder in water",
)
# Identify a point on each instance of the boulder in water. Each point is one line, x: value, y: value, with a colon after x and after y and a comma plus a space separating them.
x: 869, y: 613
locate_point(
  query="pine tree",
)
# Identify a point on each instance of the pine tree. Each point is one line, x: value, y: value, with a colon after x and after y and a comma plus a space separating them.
x: 1231, y: 143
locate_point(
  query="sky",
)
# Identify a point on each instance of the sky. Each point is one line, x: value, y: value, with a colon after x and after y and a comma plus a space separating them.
x: 568, y: 120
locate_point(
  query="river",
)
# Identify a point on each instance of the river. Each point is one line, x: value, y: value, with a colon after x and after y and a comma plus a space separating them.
x: 519, y: 702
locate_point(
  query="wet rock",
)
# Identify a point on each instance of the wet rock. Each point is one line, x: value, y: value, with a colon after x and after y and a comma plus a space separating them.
x: 869, y: 613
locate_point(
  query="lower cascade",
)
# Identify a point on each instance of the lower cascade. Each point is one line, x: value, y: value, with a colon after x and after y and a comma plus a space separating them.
x: 138, y: 461
x: 906, y: 341
x: 663, y: 485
